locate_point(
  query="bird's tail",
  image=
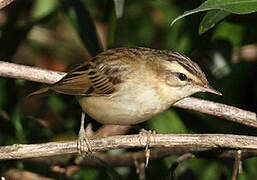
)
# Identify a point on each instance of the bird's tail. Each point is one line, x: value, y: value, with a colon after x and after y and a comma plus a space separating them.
x: 40, y: 91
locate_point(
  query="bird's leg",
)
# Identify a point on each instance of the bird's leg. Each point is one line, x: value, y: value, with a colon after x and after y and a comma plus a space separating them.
x: 83, y: 143
x: 142, y: 133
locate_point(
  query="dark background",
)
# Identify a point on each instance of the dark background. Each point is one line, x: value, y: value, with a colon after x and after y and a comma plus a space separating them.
x: 43, y: 33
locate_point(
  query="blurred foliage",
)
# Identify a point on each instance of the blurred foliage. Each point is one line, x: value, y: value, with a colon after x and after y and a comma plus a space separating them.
x: 58, y: 34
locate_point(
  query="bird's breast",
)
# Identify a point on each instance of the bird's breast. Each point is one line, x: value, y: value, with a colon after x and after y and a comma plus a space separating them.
x: 127, y: 107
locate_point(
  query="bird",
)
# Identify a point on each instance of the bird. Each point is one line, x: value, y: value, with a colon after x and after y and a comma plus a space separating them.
x: 127, y: 86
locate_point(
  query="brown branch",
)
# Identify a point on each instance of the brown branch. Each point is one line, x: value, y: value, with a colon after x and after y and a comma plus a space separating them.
x: 128, y: 158
x: 4, y: 3
x: 192, y: 142
x: 63, y: 164
x: 12, y: 70
x: 179, y: 160
x: 237, y: 165
x: 18, y: 174
x: 221, y: 110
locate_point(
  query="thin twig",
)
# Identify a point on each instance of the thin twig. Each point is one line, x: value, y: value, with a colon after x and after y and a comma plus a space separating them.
x: 237, y: 165
x: 177, y: 162
x: 140, y: 169
x: 221, y: 110
x: 192, y: 142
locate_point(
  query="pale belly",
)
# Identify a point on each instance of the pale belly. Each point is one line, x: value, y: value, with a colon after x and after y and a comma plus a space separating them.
x: 123, y: 110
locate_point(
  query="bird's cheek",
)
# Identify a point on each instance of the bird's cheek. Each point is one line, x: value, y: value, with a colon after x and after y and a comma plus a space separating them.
x: 174, y: 82
x: 189, y: 90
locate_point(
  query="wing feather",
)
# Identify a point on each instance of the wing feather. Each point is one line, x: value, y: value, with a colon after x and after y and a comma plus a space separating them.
x: 84, y: 80
x: 99, y: 76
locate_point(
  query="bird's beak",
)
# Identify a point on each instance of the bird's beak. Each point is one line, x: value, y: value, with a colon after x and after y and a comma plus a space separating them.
x: 208, y: 88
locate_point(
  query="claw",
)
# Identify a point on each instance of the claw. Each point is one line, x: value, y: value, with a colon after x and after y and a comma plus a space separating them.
x: 147, y: 156
x: 83, y: 143
x: 144, y: 132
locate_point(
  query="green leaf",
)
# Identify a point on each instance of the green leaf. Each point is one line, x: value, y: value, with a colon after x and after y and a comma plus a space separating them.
x: 211, y: 18
x: 80, y: 19
x: 167, y: 122
x: 119, y: 7
x: 232, y: 6
x: 43, y: 8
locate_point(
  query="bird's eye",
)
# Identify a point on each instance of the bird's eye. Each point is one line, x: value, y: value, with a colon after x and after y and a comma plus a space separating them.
x: 182, y: 77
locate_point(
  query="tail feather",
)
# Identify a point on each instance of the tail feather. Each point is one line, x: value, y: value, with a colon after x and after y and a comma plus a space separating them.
x: 40, y: 91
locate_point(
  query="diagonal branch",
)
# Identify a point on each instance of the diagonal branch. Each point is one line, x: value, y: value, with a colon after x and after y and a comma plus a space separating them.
x: 4, y: 3
x: 191, y: 142
x: 220, y: 110
x: 217, y: 109
x: 29, y: 73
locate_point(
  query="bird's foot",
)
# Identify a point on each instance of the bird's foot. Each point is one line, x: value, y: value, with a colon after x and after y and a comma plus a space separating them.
x: 83, y: 143
x: 143, y: 133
